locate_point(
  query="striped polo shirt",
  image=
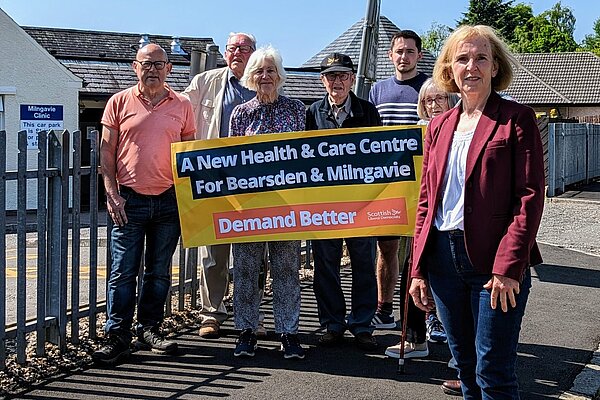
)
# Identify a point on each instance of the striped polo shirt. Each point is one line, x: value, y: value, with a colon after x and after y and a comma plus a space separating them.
x: 397, y: 100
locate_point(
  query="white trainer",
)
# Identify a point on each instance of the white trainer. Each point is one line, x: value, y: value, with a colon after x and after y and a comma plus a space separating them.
x: 411, y: 350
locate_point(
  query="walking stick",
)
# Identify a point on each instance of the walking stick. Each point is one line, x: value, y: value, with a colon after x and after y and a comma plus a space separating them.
x: 407, y: 264
x: 404, y: 327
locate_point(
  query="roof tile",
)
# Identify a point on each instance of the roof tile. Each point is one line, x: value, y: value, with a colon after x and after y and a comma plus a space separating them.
x: 557, y: 78
x: 110, y: 46
x: 349, y: 43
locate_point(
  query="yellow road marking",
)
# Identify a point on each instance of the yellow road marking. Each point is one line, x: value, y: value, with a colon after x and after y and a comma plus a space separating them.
x: 84, y: 272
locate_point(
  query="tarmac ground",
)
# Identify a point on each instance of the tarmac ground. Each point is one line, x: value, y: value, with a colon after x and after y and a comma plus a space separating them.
x: 559, y: 336
x: 559, y: 354
x: 587, y: 192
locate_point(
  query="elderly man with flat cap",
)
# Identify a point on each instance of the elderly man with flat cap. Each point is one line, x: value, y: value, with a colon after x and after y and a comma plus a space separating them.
x: 340, y: 108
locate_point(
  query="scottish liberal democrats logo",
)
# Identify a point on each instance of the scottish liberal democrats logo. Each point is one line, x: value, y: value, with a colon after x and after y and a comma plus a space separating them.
x: 392, y: 213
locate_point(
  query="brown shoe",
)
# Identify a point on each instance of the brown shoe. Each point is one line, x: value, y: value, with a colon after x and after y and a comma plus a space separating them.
x: 261, y: 331
x: 452, y: 387
x: 209, y: 329
x: 365, y: 341
x: 331, y: 338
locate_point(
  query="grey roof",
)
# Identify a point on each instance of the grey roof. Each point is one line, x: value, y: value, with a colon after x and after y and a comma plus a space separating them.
x: 102, y: 60
x: 108, y: 46
x: 349, y: 43
x: 529, y: 89
x: 105, y: 79
x: 557, y: 78
x: 304, y: 86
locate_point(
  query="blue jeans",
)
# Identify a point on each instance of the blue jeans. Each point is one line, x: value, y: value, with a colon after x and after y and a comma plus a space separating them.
x: 327, y: 284
x: 482, y: 340
x: 155, y: 219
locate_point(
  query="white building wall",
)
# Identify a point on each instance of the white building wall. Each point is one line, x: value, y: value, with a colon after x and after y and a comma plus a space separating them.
x: 31, y: 75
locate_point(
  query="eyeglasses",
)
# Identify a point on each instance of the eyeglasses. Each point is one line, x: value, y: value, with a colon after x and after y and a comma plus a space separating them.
x: 333, y: 76
x: 439, y: 99
x: 244, y: 49
x: 147, y: 65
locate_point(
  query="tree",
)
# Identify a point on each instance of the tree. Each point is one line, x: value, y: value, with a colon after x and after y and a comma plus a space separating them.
x: 518, y: 16
x: 434, y: 38
x: 549, y: 32
x: 486, y: 12
x: 592, y: 42
x: 502, y: 16
x: 561, y: 17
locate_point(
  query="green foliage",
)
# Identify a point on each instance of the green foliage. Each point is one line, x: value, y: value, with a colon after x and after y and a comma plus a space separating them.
x: 486, y: 12
x: 549, y: 32
x: 540, y: 36
x: 519, y: 15
x: 592, y: 42
x: 502, y: 16
x: 434, y: 38
x: 561, y: 17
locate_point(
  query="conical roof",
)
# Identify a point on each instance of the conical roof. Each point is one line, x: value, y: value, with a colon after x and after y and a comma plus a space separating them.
x: 349, y: 43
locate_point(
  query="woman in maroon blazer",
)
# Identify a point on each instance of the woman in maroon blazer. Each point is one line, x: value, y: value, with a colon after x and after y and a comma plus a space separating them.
x: 480, y: 206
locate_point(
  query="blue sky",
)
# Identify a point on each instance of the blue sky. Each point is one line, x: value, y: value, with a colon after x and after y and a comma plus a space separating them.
x: 299, y: 29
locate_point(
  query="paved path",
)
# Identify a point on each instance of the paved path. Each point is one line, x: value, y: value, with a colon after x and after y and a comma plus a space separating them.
x: 589, y: 192
x: 560, y: 332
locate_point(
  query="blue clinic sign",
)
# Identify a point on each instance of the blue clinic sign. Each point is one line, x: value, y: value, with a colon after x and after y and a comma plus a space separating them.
x: 40, y: 117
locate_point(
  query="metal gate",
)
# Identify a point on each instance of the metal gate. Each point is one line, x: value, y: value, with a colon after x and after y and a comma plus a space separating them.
x: 45, y: 296
x: 573, y: 155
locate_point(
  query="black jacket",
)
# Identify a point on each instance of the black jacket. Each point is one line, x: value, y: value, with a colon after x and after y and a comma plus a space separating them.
x: 320, y: 116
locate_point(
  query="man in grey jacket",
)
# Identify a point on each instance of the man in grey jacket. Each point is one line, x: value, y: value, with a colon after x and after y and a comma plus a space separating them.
x: 214, y: 94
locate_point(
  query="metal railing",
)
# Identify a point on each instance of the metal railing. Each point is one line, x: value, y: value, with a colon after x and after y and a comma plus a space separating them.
x: 573, y: 155
x: 58, y: 227
x: 55, y: 310
x: 593, y: 151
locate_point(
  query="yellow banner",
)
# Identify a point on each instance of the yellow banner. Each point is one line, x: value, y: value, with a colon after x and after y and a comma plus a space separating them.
x: 322, y: 184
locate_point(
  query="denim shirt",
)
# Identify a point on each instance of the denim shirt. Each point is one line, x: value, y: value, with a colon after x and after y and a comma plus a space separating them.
x: 234, y: 95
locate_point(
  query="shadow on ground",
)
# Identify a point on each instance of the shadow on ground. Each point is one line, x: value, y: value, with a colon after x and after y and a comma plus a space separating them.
x: 554, y: 347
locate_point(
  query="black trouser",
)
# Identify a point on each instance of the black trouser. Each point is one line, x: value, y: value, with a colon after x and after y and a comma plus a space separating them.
x: 415, y: 331
x: 327, y: 254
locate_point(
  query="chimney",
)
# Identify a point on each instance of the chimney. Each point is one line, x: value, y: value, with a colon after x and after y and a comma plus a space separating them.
x: 176, y: 46
x: 197, y: 62
x: 144, y: 40
x: 211, y: 59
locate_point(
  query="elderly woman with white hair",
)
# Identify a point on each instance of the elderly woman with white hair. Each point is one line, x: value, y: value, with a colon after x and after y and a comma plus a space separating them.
x: 268, y: 112
x: 434, y: 101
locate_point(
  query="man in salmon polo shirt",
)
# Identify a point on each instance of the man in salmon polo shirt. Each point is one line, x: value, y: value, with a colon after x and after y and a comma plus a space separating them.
x: 140, y: 123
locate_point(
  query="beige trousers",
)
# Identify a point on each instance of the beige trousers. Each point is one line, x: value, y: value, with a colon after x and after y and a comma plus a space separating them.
x: 214, y: 281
